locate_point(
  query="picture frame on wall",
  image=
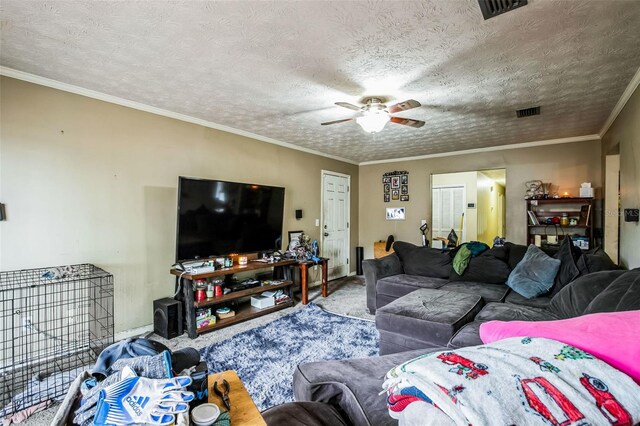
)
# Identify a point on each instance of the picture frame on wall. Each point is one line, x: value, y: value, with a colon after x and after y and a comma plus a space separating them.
x: 404, y: 198
x: 386, y: 179
x: 404, y: 179
x: 387, y: 188
x: 395, y: 213
x: 395, y: 182
x: 395, y: 194
x: 387, y: 198
x: 404, y: 190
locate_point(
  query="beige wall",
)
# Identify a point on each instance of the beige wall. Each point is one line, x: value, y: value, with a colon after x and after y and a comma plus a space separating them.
x: 89, y: 181
x: 624, y: 135
x: 565, y: 165
x: 470, y: 182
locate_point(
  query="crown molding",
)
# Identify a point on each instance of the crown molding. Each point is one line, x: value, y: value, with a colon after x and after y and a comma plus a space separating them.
x: 488, y: 149
x: 631, y: 88
x: 55, y: 84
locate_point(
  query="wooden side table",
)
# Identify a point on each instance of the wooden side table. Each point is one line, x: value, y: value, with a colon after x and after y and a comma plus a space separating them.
x: 304, y: 277
x: 243, y: 410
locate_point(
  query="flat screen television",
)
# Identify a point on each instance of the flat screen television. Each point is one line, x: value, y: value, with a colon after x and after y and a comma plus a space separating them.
x: 216, y: 218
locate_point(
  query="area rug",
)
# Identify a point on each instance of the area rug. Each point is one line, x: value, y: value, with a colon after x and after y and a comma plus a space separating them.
x: 265, y: 357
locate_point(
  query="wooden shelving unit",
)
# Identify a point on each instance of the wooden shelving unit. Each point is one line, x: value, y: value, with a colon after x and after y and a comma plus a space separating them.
x: 244, y: 311
x: 580, y: 209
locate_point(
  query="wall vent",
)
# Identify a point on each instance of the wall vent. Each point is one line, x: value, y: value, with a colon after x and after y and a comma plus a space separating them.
x: 528, y: 112
x: 491, y: 8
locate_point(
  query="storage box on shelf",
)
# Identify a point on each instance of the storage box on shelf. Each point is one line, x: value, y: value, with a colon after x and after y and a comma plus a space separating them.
x: 572, y: 216
x: 243, y: 309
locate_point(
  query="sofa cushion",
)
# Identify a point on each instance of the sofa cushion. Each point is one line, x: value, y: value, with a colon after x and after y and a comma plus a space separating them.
x: 352, y: 384
x: 488, y: 267
x: 595, y: 260
x: 469, y: 335
x: 534, y: 275
x: 623, y: 294
x: 424, y: 261
x: 489, y: 292
x: 536, y: 302
x: 574, y: 298
x: 432, y: 316
x: 567, y: 254
x: 516, y: 253
x: 303, y: 414
x: 401, y: 284
x: 509, y: 312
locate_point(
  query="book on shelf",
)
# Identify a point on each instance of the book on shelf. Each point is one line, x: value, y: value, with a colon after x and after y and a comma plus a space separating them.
x: 533, y: 219
x: 585, y: 215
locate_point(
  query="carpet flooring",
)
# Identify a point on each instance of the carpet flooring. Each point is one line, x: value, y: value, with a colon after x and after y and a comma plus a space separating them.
x: 347, y: 296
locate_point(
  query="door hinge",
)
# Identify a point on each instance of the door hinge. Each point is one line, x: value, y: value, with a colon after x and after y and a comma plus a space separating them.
x: 348, y: 188
x: 347, y: 260
x: 347, y: 224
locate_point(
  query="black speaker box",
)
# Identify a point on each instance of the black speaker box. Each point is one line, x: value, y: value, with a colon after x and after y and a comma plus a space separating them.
x: 167, y: 318
x: 298, y: 214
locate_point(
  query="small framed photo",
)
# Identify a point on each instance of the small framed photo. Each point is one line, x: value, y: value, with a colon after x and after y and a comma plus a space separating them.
x: 387, y: 188
x: 404, y: 179
x: 294, y: 235
x: 395, y: 194
x: 395, y: 182
x: 387, y: 198
x: 386, y: 179
x: 395, y: 213
x: 404, y: 190
x: 404, y: 198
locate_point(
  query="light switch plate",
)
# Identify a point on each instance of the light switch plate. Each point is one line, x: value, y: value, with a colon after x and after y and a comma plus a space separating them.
x: 317, y: 222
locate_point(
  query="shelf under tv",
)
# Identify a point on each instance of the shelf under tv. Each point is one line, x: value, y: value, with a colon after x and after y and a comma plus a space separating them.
x: 244, y: 312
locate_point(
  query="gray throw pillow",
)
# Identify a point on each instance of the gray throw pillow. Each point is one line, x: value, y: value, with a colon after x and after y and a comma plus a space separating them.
x: 424, y: 261
x: 535, y: 273
x: 567, y: 254
x: 595, y: 260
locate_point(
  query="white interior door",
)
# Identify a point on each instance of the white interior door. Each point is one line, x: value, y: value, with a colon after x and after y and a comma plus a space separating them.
x: 335, y: 223
x: 447, y: 205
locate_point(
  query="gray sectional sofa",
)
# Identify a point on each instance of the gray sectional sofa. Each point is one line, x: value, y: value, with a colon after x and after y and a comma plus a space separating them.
x: 410, y: 306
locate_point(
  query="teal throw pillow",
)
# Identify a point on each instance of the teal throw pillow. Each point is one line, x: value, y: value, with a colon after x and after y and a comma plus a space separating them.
x: 535, y: 273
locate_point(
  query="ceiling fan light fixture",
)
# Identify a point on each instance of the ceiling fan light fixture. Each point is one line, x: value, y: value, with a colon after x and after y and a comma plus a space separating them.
x: 373, y: 122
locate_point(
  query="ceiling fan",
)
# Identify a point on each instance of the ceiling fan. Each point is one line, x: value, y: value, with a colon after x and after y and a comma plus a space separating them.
x: 375, y: 114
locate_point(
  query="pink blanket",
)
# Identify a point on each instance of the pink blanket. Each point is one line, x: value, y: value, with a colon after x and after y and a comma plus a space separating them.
x: 614, y: 337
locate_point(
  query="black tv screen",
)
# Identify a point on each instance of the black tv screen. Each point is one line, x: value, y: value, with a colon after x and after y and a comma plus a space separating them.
x: 216, y: 218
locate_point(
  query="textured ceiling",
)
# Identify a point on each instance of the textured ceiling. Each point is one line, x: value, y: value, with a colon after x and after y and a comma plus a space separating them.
x: 275, y: 68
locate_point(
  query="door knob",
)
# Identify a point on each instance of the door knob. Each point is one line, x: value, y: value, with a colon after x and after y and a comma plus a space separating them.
x: 326, y: 234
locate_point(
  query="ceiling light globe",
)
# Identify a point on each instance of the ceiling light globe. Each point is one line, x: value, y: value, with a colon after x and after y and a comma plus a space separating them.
x: 373, y: 123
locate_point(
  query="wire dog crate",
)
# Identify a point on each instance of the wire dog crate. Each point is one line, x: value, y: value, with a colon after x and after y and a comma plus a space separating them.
x: 54, y: 322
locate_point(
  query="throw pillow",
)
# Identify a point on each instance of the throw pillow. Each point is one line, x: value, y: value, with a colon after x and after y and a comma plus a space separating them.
x: 486, y: 268
x: 567, y: 255
x: 574, y: 298
x: 516, y: 253
x: 595, y: 260
x: 424, y: 261
x: 622, y: 295
x: 612, y: 337
x: 535, y: 273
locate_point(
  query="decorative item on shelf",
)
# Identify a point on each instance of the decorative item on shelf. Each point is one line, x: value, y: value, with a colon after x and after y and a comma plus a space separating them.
x: 395, y: 186
x: 573, y: 221
x: 565, y: 194
x: 564, y: 220
x: 209, y: 291
x: 534, y: 189
x: 242, y: 260
x: 302, y: 248
x: 586, y: 191
x: 546, y: 189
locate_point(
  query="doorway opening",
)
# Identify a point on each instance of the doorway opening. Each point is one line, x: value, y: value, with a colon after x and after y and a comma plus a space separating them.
x: 473, y: 204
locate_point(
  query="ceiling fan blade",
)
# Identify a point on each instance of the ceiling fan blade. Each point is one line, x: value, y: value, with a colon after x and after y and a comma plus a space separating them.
x: 348, y: 105
x: 407, y: 122
x: 403, y: 106
x: 336, y: 121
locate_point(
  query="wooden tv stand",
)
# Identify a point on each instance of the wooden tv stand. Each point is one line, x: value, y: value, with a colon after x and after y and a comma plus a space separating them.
x: 244, y: 311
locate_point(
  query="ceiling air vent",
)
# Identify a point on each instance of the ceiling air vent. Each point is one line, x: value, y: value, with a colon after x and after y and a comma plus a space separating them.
x: 528, y: 112
x: 491, y: 8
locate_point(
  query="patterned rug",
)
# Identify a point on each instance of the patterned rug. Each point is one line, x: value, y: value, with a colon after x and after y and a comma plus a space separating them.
x: 265, y: 357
